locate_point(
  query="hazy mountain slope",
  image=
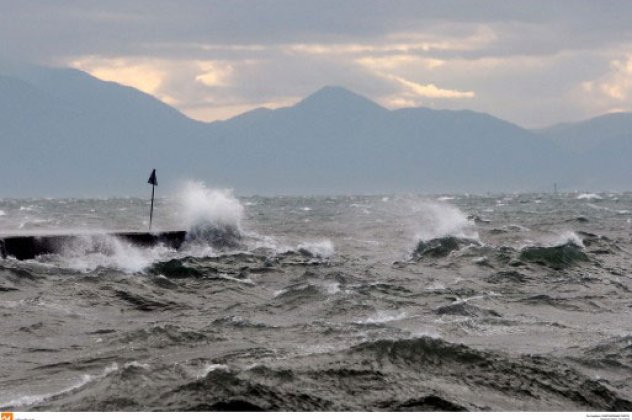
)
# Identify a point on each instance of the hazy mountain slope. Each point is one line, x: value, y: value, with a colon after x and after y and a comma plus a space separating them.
x: 585, y: 135
x: 63, y: 131
x: 600, y: 149
x: 338, y: 141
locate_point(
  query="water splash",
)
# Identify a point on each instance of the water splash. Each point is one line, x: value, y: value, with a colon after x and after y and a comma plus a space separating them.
x: 320, y: 249
x: 438, y: 220
x: 211, y: 216
x: 566, y: 238
x: 90, y: 252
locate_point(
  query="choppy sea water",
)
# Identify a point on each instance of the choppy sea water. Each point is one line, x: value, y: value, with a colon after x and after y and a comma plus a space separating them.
x: 499, y: 302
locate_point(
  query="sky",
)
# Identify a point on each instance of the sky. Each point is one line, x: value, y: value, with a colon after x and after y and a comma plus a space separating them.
x: 534, y: 63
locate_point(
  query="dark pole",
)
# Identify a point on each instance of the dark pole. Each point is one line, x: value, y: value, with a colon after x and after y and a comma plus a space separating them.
x: 151, y: 212
x: 153, y: 181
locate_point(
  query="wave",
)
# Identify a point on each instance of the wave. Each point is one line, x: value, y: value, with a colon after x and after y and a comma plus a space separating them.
x: 612, y: 353
x: 318, y: 249
x: 598, y: 244
x: 589, y: 196
x: 441, y: 247
x: 443, y: 220
x: 239, y: 322
x: 143, y: 302
x: 214, y: 226
x: 177, y: 268
x: 527, y: 377
x: 17, y: 275
x: 257, y: 389
x: 429, y: 402
x: 87, y: 253
x: 165, y: 335
x: 30, y: 400
x: 382, y: 317
x: 298, y: 293
x: 465, y: 309
x: 422, y: 373
x: 556, y: 257
x: 212, y: 217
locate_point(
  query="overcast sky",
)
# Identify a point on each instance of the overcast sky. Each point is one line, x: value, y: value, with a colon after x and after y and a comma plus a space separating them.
x: 531, y: 62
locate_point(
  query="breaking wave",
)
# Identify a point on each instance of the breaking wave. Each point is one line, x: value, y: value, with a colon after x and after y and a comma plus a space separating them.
x: 442, y: 220
x: 440, y: 247
x: 211, y: 216
x: 90, y: 252
x: 556, y: 257
x: 85, y: 379
x: 589, y: 196
x: 318, y: 249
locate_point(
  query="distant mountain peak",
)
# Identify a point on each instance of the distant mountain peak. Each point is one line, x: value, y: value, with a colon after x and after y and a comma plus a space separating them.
x: 337, y: 97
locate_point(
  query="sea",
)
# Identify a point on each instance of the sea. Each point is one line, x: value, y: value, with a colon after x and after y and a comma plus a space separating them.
x: 494, y: 302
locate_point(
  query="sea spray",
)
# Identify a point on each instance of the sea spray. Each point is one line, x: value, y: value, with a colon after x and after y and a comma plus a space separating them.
x: 319, y: 249
x: 212, y: 219
x: 211, y: 216
x: 439, y: 219
x: 438, y: 227
x: 553, y: 239
x: 567, y: 237
x: 90, y: 252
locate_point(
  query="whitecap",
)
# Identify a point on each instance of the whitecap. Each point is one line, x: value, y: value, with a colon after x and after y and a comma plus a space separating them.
x: 87, y: 253
x: 208, y: 368
x: 322, y: 249
x: 589, y: 196
x: 382, y: 317
x: 85, y: 379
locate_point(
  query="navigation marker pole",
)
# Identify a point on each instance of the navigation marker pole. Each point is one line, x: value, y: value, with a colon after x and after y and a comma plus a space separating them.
x: 153, y: 181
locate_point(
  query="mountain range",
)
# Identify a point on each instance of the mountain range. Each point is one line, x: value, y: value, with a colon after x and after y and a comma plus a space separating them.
x: 66, y: 133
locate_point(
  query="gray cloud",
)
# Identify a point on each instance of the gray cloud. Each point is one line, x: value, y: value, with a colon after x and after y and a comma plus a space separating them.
x: 533, y: 62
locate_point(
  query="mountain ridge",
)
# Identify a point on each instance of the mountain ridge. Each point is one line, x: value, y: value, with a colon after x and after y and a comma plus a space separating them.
x: 581, y: 136
x: 101, y: 136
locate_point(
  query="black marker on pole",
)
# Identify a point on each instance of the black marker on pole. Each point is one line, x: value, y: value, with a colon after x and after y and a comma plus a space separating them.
x: 153, y: 181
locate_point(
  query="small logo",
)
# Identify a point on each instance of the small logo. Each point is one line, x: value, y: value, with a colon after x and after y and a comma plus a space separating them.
x: 6, y: 415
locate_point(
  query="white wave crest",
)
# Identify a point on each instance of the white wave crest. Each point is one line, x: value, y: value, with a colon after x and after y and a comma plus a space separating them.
x: 212, y: 216
x: 28, y: 400
x: 589, y: 196
x: 565, y: 238
x: 321, y: 249
x: 202, y: 207
x: 89, y: 252
x: 382, y: 317
x: 442, y: 219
